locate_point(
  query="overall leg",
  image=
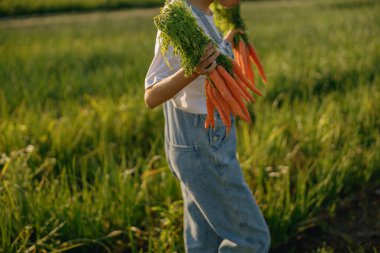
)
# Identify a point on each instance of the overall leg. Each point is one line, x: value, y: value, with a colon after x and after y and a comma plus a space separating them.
x: 213, y: 180
x: 199, y: 236
x: 213, y: 186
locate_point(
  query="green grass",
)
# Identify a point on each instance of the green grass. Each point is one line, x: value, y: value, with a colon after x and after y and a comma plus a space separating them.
x: 27, y: 7
x: 95, y: 177
x: 10, y: 8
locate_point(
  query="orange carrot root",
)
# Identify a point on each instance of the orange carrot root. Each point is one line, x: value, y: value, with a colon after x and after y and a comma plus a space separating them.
x: 220, y: 105
x: 226, y: 94
x: 210, y: 106
x: 257, y: 62
x: 236, y: 92
x: 231, y: 84
x: 207, y: 122
x: 237, y: 55
x: 244, y: 88
x: 243, y: 56
x: 242, y: 77
x: 250, y: 73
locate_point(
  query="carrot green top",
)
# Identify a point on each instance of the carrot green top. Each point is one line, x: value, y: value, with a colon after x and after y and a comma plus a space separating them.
x: 180, y: 29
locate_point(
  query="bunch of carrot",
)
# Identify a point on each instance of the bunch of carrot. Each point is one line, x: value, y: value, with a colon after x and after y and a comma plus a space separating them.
x: 244, y: 51
x: 227, y: 93
x: 226, y: 87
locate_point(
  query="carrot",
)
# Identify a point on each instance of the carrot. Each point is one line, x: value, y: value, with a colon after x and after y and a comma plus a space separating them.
x: 207, y: 122
x: 231, y: 84
x: 225, y: 113
x: 210, y: 106
x: 234, y: 88
x: 244, y: 56
x: 226, y: 94
x: 244, y: 61
x: 255, y: 90
x: 236, y: 54
x: 250, y: 73
x: 229, y: 108
x: 246, y: 116
x: 220, y: 105
x: 242, y: 77
x: 256, y: 60
x: 236, y: 92
x: 238, y: 70
x: 243, y: 87
x: 241, y: 61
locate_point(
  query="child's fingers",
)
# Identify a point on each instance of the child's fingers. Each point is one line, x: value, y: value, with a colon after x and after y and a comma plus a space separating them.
x: 207, y: 62
x: 211, y: 67
x: 205, y: 66
x: 208, y: 52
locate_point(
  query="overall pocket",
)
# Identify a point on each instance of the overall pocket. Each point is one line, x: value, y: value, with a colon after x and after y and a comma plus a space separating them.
x: 186, y: 163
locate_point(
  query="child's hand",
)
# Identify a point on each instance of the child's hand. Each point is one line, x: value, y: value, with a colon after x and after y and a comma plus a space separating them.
x: 207, y: 63
x: 231, y: 34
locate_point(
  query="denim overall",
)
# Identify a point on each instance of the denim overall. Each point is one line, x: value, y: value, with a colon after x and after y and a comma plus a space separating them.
x: 220, y: 212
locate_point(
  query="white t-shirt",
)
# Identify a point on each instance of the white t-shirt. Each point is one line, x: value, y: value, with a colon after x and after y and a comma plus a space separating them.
x: 192, y: 97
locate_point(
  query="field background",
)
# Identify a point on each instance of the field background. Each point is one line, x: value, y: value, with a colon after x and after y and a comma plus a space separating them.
x: 24, y: 7
x: 82, y: 165
x: 27, y: 7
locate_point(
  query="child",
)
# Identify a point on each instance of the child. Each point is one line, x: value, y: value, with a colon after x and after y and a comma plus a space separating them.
x: 220, y: 212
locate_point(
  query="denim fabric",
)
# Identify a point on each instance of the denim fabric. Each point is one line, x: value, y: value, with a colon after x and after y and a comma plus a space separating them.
x: 220, y: 212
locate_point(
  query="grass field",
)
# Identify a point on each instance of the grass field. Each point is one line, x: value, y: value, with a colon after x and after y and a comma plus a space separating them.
x: 25, y: 7
x: 82, y: 164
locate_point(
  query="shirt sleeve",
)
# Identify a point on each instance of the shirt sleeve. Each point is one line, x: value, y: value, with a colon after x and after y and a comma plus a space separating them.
x: 158, y: 69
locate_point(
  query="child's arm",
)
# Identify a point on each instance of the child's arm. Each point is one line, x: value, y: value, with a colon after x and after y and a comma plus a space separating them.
x: 165, y: 89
